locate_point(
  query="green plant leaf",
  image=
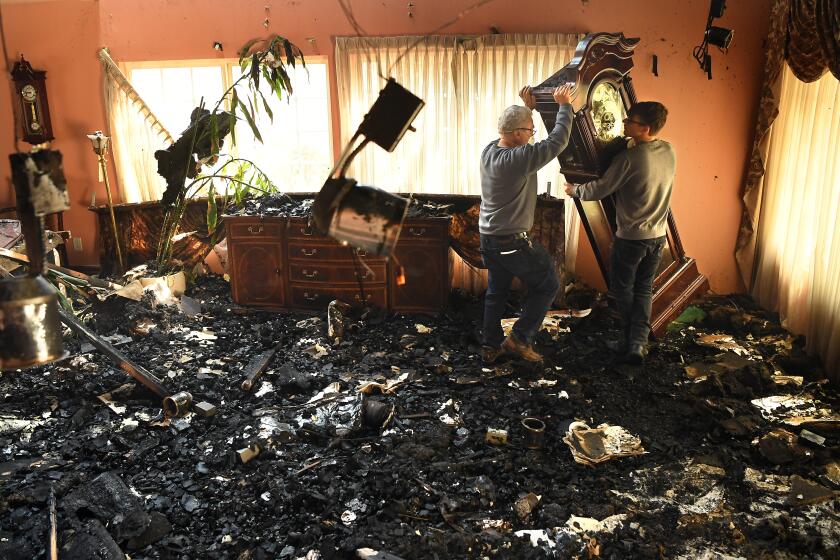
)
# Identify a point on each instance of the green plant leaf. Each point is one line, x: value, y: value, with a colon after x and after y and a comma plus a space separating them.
x: 234, y: 99
x: 276, y: 85
x: 64, y: 302
x: 245, y: 50
x: 251, y: 123
x: 212, y: 209
x: 255, y: 71
x: 290, y: 53
x: 67, y: 278
x: 214, y: 134
x: 267, y: 108
x: 287, y: 82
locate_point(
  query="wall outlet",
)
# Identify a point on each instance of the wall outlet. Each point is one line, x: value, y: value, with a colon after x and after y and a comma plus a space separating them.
x: 77, y: 243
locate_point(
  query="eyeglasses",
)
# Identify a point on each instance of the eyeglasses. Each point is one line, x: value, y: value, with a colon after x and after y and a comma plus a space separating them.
x: 530, y: 130
x: 629, y: 120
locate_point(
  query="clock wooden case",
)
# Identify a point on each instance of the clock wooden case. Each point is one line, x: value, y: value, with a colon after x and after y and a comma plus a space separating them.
x: 602, y: 95
x: 31, y: 101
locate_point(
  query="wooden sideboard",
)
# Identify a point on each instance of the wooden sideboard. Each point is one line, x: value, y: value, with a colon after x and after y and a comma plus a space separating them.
x: 281, y: 263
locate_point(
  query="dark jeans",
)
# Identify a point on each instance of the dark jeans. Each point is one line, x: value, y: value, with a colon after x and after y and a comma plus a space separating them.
x: 633, y: 265
x: 506, y: 257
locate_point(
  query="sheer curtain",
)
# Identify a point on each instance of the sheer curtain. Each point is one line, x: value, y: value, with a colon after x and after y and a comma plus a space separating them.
x: 135, y: 135
x: 798, y: 263
x: 423, y: 160
x: 466, y: 82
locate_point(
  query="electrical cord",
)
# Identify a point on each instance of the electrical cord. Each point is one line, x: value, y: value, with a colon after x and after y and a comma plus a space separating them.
x: 362, y: 34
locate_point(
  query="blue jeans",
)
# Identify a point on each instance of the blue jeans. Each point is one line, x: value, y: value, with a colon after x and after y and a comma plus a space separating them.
x: 633, y: 266
x: 507, y: 257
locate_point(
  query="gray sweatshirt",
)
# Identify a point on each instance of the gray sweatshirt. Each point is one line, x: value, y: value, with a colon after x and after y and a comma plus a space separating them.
x: 642, y: 178
x: 509, y: 178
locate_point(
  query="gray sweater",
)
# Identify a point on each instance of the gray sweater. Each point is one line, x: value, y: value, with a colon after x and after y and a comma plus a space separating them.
x: 642, y: 178
x: 509, y: 178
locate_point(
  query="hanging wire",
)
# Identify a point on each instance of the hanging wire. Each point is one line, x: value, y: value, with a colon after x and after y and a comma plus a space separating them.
x: 443, y: 26
x: 701, y: 51
x: 363, y: 35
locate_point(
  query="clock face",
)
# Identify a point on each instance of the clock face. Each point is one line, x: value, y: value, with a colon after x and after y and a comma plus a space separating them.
x: 29, y: 93
x: 607, y: 111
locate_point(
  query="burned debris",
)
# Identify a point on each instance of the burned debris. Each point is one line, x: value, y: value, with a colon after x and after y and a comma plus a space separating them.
x: 367, y: 435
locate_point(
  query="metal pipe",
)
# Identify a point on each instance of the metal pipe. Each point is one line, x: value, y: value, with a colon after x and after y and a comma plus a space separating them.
x: 138, y: 372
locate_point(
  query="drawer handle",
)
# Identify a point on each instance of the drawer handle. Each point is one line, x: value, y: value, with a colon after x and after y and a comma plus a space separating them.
x: 258, y: 230
x: 361, y: 252
x: 310, y: 275
x: 359, y: 298
x: 308, y: 297
x: 306, y: 231
x: 364, y: 275
x: 307, y: 252
x: 413, y: 231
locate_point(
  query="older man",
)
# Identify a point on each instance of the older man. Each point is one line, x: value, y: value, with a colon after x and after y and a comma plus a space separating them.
x: 642, y: 178
x: 508, y: 199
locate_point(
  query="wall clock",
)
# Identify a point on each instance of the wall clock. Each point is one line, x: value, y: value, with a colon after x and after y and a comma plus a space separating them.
x: 31, y: 101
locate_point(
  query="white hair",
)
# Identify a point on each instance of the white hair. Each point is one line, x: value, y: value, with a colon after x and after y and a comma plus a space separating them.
x: 515, y: 116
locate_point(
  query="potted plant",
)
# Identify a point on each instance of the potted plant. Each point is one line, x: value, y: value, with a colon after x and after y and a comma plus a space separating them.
x: 184, y: 163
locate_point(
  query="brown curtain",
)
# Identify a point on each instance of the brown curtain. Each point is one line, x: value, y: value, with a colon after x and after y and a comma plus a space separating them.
x: 828, y: 26
x: 768, y: 110
x: 806, y: 33
x: 805, y: 55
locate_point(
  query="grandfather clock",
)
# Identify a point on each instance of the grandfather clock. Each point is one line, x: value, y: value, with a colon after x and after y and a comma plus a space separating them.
x: 602, y: 95
x: 31, y: 101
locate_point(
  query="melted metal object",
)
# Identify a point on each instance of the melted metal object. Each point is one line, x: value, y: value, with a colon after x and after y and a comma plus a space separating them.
x: 30, y: 325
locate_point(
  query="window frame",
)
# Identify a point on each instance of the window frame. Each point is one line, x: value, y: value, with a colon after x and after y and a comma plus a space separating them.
x: 227, y: 65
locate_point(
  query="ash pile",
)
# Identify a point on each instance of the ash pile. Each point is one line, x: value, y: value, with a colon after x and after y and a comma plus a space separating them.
x: 368, y: 435
x: 281, y: 204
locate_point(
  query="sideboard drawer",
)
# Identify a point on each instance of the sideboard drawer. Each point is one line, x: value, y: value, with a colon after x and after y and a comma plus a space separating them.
x: 325, y: 250
x: 428, y: 230
x: 299, y: 228
x: 336, y: 273
x: 247, y: 229
x: 310, y: 296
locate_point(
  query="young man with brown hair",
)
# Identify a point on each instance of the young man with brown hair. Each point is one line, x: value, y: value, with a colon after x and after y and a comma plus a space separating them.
x: 642, y: 178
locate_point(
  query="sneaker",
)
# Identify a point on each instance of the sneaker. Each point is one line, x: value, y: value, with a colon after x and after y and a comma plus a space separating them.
x: 490, y: 354
x: 513, y: 346
x: 635, y: 355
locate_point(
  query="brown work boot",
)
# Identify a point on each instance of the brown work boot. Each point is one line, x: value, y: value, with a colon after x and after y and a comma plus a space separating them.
x: 514, y: 346
x: 490, y: 354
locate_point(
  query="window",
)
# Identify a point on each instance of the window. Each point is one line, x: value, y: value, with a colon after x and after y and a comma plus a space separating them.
x: 296, y: 152
x: 466, y: 83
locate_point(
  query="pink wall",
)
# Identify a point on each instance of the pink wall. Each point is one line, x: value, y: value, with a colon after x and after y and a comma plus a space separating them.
x: 60, y: 37
x: 711, y: 122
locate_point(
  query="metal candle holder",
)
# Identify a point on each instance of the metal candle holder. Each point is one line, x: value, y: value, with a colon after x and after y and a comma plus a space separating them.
x: 100, y: 148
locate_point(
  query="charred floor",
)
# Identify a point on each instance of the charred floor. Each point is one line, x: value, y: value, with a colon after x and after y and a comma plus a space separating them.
x: 371, y: 435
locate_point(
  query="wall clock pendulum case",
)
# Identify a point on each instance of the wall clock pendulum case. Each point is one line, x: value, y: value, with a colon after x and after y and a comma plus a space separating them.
x: 33, y: 110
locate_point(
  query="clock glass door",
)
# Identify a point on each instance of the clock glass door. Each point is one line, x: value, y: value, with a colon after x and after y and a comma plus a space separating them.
x: 607, y: 111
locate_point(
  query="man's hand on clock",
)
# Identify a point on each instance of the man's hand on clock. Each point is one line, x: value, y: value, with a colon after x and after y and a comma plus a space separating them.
x: 563, y: 94
x: 527, y: 95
